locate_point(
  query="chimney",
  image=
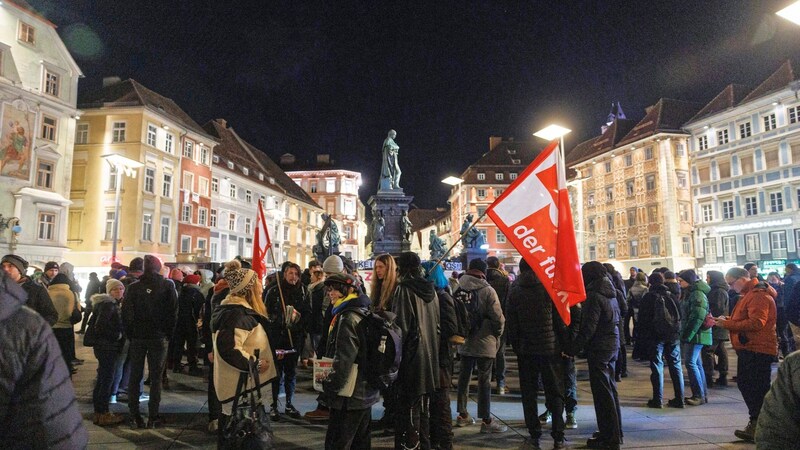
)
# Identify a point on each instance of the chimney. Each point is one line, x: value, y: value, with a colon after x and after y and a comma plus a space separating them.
x: 110, y: 81
x: 324, y: 159
x: 223, y: 122
x: 287, y: 159
x: 494, y: 141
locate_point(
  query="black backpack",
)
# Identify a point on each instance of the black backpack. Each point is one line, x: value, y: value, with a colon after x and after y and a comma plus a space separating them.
x: 468, y: 312
x: 666, y: 317
x: 382, y: 348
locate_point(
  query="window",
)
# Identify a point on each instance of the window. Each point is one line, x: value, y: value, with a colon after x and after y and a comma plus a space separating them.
x: 707, y: 212
x: 147, y: 227
x: 498, y: 192
x: 348, y: 186
x: 750, y: 206
x: 648, y: 153
x: 729, y: 249
x: 777, y: 240
x: 215, y: 185
x: 313, y: 186
x: 248, y: 196
x: 590, y: 199
x: 628, y: 160
x: 683, y: 209
x: 349, y: 208
x: 204, y: 155
x: 686, y: 243
x: 151, y: 135
x: 186, y: 244
x: 27, y: 33
x: 202, y: 216
x: 44, y: 174
x: 591, y: 225
x: 612, y: 250
x: 214, y: 251
x: 165, y: 225
x: 752, y: 246
x: 498, y: 176
x: 608, y: 166
x: 481, y: 193
x: 702, y: 143
x: 776, y: 202
x: 285, y: 233
x: 727, y: 210
x: 609, y: 193
x: 201, y: 243
x: 631, y: 217
x: 680, y: 150
x: 652, y: 214
x: 683, y: 180
x: 655, y: 246
x: 481, y: 176
x: 232, y: 221
x: 592, y: 252
x: 248, y: 225
x: 188, y: 150
x: 112, y: 178
x: 794, y: 114
x: 82, y: 133
x: 150, y: 179
x: 769, y: 122
x: 202, y: 186
x: 650, y: 183
x: 49, y: 128
x: 169, y: 144
x: 722, y: 136
x: 633, y: 248
x: 166, y: 186
x: 330, y: 185
x: 629, y: 188
x: 186, y: 212
x: 724, y: 169
x: 52, y: 83
x: 746, y: 162
x: 610, y: 221
x: 704, y: 174
x: 212, y: 218
x: 47, y: 224
x: 118, y: 132
x: 512, y: 176
x: 245, y: 171
x: 710, y: 249
x: 188, y: 181
x: 232, y: 190
x: 771, y: 159
x: 745, y: 130
x: 109, y: 230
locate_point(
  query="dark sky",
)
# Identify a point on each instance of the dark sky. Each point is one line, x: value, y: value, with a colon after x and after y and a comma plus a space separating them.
x: 334, y: 77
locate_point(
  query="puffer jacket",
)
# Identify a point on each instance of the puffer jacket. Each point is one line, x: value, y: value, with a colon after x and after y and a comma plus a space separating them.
x: 38, y: 409
x: 190, y: 302
x: 417, y: 308
x: 486, y: 341
x: 778, y: 427
x: 64, y: 300
x: 674, y: 289
x: 646, y: 324
x: 39, y: 300
x: 150, y: 308
x: 599, y: 333
x: 693, y: 312
x: 718, y: 304
x: 106, y: 323
x: 534, y: 325
x: 344, y: 346
x: 752, y: 322
x: 635, y: 294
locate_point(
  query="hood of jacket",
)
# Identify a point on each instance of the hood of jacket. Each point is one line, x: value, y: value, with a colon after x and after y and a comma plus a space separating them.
x: 659, y: 289
x: 760, y: 285
x: 701, y: 286
x: 221, y: 285
x: 527, y: 279
x: 192, y: 286
x: 471, y: 283
x: 12, y: 297
x: 718, y: 280
x: 360, y: 302
x: 102, y: 298
x: 602, y: 286
x: 423, y: 288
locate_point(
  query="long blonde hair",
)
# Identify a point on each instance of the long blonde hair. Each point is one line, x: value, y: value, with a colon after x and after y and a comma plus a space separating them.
x: 382, y: 290
x: 253, y: 295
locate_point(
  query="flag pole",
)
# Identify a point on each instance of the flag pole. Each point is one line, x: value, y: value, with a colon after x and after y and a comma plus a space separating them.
x: 280, y: 294
x: 461, y: 237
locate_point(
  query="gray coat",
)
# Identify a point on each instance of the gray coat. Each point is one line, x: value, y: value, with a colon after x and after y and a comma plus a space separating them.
x: 485, y: 342
x: 778, y: 427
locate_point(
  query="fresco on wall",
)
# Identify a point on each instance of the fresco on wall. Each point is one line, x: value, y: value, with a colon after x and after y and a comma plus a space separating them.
x: 16, y: 141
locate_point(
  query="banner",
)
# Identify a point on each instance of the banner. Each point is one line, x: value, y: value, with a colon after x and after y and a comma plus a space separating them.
x: 261, y: 243
x: 534, y: 215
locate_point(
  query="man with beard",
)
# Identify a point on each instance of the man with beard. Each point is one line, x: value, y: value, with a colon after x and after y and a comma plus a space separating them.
x: 38, y: 298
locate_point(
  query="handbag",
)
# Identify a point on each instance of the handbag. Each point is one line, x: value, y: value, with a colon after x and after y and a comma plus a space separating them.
x: 248, y: 427
x: 90, y: 336
x: 708, y: 322
x: 76, y: 315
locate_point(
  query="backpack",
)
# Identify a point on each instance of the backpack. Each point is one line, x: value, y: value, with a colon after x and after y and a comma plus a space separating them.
x: 666, y: 317
x: 468, y: 312
x: 792, y: 304
x: 381, y: 348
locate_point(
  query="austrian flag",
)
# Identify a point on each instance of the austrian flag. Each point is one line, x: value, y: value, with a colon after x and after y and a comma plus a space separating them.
x: 535, y: 216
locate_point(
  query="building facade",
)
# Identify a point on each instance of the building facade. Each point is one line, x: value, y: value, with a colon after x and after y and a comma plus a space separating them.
x: 194, y: 199
x: 745, y: 175
x: 38, y: 97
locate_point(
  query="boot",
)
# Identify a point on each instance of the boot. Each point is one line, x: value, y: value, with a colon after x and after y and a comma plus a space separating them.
x: 722, y: 381
x: 107, y: 419
x: 749, y: 432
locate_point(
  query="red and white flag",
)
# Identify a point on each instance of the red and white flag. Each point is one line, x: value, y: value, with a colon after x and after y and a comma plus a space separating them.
x: 261, y: 243
x: 535, y: 216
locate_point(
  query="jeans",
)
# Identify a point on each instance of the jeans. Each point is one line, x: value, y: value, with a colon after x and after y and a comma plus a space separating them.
x: 66, y: 339
x: 484, y: 367
x: 122, y: 371
x: 672, y: 352
x: 106, y: 360
x: 694, y: 367
x: 412, y: 422
x: 550, y: 368
x: 606, y: 400
x: 716, y: 348
x: 441, y: 423
x: 348, y: 429
x: 500, y: 363
x: 155, y: 350
x: 286, y: 370
x: 621, y: 367
x: 753, y: 371
x: 785, y: 341
x: 570, y: 385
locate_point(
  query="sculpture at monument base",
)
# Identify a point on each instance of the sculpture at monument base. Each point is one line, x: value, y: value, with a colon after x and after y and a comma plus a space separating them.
x: 437, y: 246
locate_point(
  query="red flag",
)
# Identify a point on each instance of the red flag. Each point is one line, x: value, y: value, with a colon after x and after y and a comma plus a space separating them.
x: 535, y: 216
x: 261, y: 243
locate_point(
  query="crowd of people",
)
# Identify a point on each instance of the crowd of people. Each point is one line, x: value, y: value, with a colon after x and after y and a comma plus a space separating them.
x: 148, y: 313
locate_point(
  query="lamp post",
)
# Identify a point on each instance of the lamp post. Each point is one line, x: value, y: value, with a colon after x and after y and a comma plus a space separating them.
x: 120, y: 164
x: 455, y: 181
x: 554, y: 131
x: 791, y: 13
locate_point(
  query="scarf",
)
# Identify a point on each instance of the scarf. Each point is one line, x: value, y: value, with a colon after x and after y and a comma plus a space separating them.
x: 338, y: 306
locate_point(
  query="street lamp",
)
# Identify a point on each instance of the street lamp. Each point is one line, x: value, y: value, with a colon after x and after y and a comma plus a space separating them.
x: 791, y: 13
x: 129, y: 166
x: 553, y: 131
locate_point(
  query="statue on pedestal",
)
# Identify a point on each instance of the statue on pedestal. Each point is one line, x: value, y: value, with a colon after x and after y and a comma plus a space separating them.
x: 378, y: 225
x: 437, y: 246
x: 327, y: 239
x: 473, y: 238
x: 405, y: 227
x: 390, y: 168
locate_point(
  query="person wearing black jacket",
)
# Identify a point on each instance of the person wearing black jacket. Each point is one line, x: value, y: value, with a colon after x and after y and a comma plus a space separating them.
x: 498, y: 279
x: 717, y: 306
x: 38, y: 298
x: 621, y: 367
x: 190, y: 302
x: 599, y: 336
x: 105, y: 328
x: 538, y: 336
x: 214, y: 298
x: 148, y: 313
x: 92, y: 288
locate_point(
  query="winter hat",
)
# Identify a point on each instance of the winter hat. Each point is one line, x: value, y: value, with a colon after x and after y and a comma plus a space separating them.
x: 640, y: 276
x: 50, y: 265
x: 333, y: 264
x: 152, y: 264
x: 16, y: 261
x: 176, y: 275
x: 342, y: 279
x: 407, y: 262
x: 477, y: 264
x: 716, y: 277
x: 116, y: 265
x: 240, y: 280
x: 119, y: 274
x: 192, y: 279
x: 656, y: 279
x: 136, y: 265
x: 668, y: 275
x: 593, y: 271
x: 112, y: 283
x: 60, y: 279
x: 688, y: 276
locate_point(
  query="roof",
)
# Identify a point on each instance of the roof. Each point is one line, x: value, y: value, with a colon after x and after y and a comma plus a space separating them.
x: 778, y: 80
x: 25, y: 6
x: 731, y: 96
x: 232, y: 148
x: 601, y: 144
x: 503, y: 154
x: 132, y: 93
x: 421, y: 218
x: 668, y: 115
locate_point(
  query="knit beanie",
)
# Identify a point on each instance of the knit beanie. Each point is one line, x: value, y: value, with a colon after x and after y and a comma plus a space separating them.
x: 407, y: 262
x: 240, y: 280
x: 192, y: 279
x: 176, y: 275
x: 50, y: 265
x: 669, y: 275
x: 477, y: 264
x: 656, y: 279
x: 112, y: 283
x: 152, y: 264
x: 333, y: 264
x: 688, y: 276
x: 16, y: 261
x: 136, y: 264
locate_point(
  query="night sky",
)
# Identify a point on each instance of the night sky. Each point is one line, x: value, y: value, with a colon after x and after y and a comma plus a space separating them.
x: 334, y: 77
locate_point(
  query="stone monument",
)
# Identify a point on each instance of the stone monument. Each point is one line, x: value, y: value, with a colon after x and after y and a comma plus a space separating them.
x: 473, y: 242
x: 391, y: 229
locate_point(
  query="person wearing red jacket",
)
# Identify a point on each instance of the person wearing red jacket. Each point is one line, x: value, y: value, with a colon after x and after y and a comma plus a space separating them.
x: 752, y: 329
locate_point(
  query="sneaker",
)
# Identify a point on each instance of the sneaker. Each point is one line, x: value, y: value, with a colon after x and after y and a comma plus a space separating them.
x: 749, y: 432
x: 653, y: 403
x: 571, y: 423
x: 113, y: 399
x: 213, y: 426
x: 675, y: 403
x: 155, y: 422
x: 530, y: 444
x: 274, y: 415
x: 560, y: 444
x: 318, y: 414
x: 694, y: 401
x: 493, y: 427
x: 464, y: 421
x: 501, y: 390
x: 292, y: 412
x: 143, y: 397
x: 137, y: 422
x: 545, y: 417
